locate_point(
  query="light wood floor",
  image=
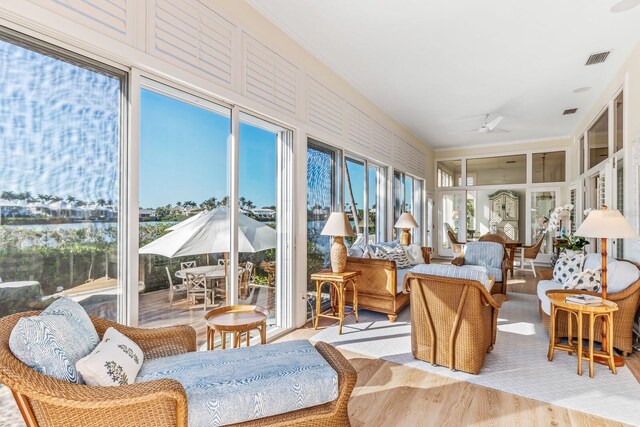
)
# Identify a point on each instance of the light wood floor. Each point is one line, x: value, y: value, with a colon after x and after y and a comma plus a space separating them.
x: 388, y: 394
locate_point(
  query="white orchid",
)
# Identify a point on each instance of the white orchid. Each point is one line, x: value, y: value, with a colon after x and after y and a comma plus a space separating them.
x: 554, y: 218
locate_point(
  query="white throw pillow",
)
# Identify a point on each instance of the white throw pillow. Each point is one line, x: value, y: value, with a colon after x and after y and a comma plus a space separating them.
x: 115, y: 361
x: 566, y: 267
x: 414, y: 253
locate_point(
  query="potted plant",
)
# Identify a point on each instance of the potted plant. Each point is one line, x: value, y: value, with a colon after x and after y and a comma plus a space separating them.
x: 572, y: 244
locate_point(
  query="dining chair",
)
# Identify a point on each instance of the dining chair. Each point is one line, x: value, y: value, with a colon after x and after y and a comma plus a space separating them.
x: 197, y: 285
x: 173, y: 288
x: 456, y: 246
x: 529, y: 253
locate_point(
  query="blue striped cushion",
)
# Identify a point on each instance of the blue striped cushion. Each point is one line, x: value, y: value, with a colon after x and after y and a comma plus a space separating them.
x: 486, y: 254
x: 453, y: 271
x: 54, y: 341
x: 237, y: 385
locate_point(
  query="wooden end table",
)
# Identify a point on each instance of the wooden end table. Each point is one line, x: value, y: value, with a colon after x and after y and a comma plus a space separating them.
x: 604, y: 310
x: 236, y: 319
x: 338, y: 283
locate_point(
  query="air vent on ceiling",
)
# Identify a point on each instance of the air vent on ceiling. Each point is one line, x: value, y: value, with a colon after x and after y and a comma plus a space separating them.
x: 597, y: 58
x: 569, y: 111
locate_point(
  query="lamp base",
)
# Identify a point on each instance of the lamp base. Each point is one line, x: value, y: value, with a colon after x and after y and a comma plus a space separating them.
x: 338, y: 255
x: 405, y: 237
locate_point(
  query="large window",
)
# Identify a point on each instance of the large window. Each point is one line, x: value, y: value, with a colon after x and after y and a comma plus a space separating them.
x: 598, y: 140
x: 407, y: 197
x: 548, y: 167
x: 322, y: 199
x: 498, y: 170
x: 61, y: 135
x: 618, y: 118
x: 449, y: 173
x: 354, y: 197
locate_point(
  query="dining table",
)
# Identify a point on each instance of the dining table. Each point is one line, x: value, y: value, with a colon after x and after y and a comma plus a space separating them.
x: 511, y: 246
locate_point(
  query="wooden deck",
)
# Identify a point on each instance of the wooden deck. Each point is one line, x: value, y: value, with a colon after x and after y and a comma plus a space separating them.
x: 154, y: 310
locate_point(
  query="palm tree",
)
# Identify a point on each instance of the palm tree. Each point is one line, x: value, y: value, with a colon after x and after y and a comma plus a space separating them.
x: 9, y: 195
x: 101, y: 202
x: 71, y: 200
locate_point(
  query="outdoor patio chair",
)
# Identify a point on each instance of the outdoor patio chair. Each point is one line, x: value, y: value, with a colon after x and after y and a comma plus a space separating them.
x: 187, y: 264
x: 197, y: 285
x: 174, y: 288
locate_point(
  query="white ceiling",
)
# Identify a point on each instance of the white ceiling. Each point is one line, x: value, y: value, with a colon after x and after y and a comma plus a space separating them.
x: 438, y: 66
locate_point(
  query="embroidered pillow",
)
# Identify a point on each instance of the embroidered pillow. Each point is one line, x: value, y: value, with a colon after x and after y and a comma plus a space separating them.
x: 414, y: 254
x: 115, y: 361
x: 588, y: 280
x: 52, y: 342
x: 567, y: 267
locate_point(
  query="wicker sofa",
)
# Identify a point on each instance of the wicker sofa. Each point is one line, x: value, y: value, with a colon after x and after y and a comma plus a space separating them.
x: 46, y: 401
x: 453, y: 316
x: 628, y: 300
x: 380, y: 286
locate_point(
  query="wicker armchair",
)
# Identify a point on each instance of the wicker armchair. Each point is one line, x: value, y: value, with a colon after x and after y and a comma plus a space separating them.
x: 628, y: 302
x: 453, y: 321
x: 47, y: 401
x: 500, y: 287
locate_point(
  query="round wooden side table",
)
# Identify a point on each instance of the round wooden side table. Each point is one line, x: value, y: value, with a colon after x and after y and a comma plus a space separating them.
x: 604, y: 310
x: 236, y: 320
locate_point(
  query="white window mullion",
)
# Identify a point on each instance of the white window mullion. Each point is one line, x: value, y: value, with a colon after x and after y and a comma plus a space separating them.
x: 233, y: 164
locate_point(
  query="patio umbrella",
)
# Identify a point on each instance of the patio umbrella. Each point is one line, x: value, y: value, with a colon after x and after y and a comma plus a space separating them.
x: 186, y: 221
x: 209, y: 233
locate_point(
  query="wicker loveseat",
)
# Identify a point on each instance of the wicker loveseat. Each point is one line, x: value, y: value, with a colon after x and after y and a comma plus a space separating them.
x: 628, y: 300
x: 380, y: 285
x: 46, y: 401
x: 453, y: 316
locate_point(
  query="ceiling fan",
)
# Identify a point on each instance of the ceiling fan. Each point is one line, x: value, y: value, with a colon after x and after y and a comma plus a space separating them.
x: 488, y: 126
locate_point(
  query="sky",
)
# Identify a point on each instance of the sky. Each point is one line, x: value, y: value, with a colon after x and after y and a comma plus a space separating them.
x: 183, y: 155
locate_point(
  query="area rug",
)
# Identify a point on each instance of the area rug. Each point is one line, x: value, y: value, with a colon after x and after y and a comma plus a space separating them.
x: 518, y: 363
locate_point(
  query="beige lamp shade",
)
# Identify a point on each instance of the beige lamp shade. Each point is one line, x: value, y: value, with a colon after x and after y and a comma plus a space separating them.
x: 606, y: 224
x: 406, y: 220
x: 337, y: 225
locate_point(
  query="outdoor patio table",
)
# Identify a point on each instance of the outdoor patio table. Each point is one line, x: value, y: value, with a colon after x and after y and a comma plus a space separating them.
x: 211, y: 272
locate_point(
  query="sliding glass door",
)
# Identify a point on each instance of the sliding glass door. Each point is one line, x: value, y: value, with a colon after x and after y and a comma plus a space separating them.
x: 61, y: 131
x: 189, y: 165
x: 183, y: 205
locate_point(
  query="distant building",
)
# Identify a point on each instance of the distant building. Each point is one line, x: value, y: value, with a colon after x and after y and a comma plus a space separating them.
x: 264, y: 214
x: 147, y: 213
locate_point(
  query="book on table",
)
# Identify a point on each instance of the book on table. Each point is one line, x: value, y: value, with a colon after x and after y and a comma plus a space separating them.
x: 584, y: 299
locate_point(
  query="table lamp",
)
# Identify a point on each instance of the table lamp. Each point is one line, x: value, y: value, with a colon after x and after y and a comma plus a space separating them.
x: 338, y: 226
x: 605, y: 224
x: 406, y: 222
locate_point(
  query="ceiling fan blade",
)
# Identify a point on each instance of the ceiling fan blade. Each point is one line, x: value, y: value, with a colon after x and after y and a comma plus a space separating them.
x: 463, y: 131
x: 494, y: 123
x: 498, y: 130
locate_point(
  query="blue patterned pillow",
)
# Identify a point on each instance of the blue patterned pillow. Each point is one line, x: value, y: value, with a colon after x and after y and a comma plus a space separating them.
x: 54, y: 341
x: 566, y: 267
